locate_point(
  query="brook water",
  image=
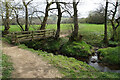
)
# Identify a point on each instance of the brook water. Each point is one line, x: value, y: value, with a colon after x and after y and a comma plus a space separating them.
x: 93, y: 61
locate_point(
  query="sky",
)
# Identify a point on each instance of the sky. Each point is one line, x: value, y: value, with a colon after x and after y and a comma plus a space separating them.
x: 84, y: 7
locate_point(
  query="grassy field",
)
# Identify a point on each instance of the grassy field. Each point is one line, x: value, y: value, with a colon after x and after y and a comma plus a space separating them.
x: 35, y: 27
x: 92, y: 33
x: 82, y: 27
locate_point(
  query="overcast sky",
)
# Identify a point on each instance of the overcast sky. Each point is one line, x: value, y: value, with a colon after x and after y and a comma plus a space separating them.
x: 84, y: 7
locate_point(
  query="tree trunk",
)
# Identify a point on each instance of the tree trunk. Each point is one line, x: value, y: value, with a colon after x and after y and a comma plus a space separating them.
x: 114, y: 35
x: 6, y: 22
x: 17, y: 19
x: 114, y: 27
x: 26, y: 18
x: 59, y: 20
x: 45, y: 18
x: 105, y: 31
x: 74, y: 35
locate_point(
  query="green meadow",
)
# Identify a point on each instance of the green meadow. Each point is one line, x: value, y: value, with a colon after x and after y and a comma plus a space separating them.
x: 82, y: 27
x: 92, y: 33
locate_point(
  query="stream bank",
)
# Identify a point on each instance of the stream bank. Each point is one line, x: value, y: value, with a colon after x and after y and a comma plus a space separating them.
x: 103, y: 67
x: 55, y: 48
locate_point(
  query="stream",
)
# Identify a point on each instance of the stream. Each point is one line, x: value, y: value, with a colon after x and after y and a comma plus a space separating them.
x: 93, y: 61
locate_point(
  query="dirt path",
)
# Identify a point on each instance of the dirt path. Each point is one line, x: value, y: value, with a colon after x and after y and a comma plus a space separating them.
x: 28, y: 65
x: 64, y: 35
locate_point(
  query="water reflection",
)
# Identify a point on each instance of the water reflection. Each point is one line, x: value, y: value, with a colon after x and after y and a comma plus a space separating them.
x: 93, y: 61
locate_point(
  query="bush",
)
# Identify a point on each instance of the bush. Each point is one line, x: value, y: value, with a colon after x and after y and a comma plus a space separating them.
x: 110, y: 55
x: 113, y: 43
x: 118, y: 34
x: 50, y: 45
x: 81, y: 49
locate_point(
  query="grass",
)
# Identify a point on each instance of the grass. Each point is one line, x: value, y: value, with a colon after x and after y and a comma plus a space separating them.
x: 78, y: 49
x: 14, y: 28
x: 92, y: 33
x: 49, y: 45
x: 70, y: 67
x: 82, y: 27
x: 61, y: 46
x: 110, y: 55
x: 6, y: 67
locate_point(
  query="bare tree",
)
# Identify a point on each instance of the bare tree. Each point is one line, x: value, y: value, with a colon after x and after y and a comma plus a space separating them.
x: 17, y: 18
x: 115, y: 22
x: 74, y: 35
x: 61, y: 10
x: 59, y: 20
x: 6, y: 17
x: 105, y: 31
x: 26, y: 13
x: 46, y: 14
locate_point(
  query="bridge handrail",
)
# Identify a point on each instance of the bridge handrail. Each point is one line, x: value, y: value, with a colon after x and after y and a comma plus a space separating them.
x: 17, y: 37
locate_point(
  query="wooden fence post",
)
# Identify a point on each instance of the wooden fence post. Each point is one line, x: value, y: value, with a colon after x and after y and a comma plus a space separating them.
x: 53, y: 32
x: 44, y: 33
x: 12, y: 37
x: 16, y: 40
x: 32, y: 36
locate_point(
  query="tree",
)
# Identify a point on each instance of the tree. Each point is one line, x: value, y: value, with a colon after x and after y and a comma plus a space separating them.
x: 26, y: 13
x: 74, y: 35
x: 59, y: 20
x: 17, y: 19
x: 5, y: 19
x: 114, y: 21
x: 97, y: 16
x: 60, y: 12
x: 46, y: 14
x: 105, y: 40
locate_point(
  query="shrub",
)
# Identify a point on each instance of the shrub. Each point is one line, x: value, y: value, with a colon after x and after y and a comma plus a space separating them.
x: 81, y: 49
x: 50, y: 44
x: 110, y: 55
x: 113, y: 43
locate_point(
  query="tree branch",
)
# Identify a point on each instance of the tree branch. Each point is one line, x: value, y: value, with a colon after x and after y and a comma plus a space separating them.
x: 112, y: 3
x: 51, y: 9
x: 118, y: 22
x: 29, y: 2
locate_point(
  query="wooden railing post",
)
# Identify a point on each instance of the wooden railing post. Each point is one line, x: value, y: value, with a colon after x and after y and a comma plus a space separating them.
x: 32, y: 36
x: 53, y: 32
x: 12, y: 37
x: 16, y: 40
x: 44, y: 33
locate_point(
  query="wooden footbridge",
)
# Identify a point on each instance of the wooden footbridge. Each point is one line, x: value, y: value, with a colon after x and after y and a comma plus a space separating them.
x: 17, y: 37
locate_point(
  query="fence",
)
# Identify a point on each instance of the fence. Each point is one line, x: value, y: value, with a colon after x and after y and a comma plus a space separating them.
x: 22, y: 36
